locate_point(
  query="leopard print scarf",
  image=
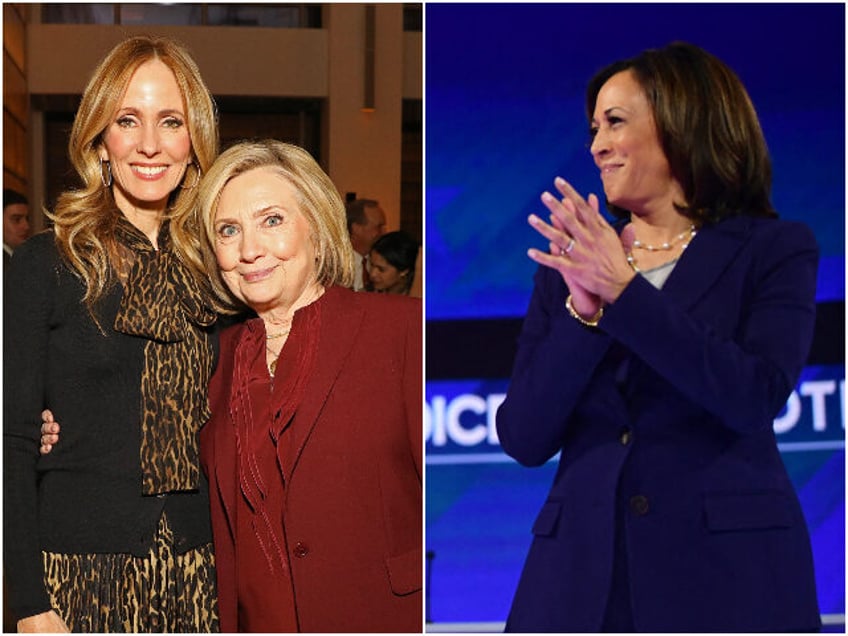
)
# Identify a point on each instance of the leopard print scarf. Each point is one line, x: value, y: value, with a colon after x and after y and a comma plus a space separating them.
x: 163, y: 303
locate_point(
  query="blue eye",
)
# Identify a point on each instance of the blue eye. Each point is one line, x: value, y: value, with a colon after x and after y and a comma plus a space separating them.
x: 227, y: 230
x: 125, y: 122
x: 273, y: 220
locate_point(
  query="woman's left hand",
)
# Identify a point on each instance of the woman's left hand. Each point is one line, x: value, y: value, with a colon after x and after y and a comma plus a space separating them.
x: 590, y: 252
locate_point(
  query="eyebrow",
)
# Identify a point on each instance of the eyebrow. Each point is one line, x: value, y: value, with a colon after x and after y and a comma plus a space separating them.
x: 607, y: 112
x: 267, y: 208
x: 254, y: 215
x: 162, y: 113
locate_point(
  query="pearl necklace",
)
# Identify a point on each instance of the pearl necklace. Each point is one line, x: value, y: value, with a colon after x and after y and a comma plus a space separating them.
x: 637, y: 244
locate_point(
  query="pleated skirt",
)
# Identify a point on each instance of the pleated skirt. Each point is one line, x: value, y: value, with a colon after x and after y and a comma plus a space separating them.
x: 162, y: 592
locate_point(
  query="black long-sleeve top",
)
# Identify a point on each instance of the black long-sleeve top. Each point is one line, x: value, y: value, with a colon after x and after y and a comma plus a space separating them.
x: 85, y: 496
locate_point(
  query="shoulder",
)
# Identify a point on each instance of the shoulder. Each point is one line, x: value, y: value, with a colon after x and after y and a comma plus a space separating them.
x: 228, y: 340
x: 772, y: 234
x: 773, y: 247
x: 37, y: 258
x: 788, y: 232
x: 391, y: 307
x: 38, y: 246
x: 230, y: 336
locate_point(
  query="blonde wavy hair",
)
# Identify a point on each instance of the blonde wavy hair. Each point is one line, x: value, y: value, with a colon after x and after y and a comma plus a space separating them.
x: 84, y: 219
x: 317, y: 197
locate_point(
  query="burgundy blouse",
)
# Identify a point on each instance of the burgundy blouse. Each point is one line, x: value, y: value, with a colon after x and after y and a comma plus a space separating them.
x: 262, y: 408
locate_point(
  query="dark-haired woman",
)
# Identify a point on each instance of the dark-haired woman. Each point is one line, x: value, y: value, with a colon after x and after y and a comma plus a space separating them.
x: 392, y: 263
x: 654, y: 357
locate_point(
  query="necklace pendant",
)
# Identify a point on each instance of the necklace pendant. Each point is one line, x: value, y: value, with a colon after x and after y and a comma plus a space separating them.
x: 273, y: 368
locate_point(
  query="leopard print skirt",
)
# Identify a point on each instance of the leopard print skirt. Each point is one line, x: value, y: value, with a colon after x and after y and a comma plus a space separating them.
x: 162, y: 592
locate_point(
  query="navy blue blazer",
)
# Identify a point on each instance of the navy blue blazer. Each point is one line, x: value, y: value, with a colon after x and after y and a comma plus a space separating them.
x: 663, y: 416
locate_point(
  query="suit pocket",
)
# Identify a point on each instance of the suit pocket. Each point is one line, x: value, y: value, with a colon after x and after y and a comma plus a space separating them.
x: 405, y: 572
x: 547, y: 520
x: 747, y: 511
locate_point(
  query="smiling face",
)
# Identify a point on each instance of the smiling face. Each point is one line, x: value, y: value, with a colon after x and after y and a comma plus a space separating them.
x: 626, y: 147
x: 263, y: 242
x: 147, y: 143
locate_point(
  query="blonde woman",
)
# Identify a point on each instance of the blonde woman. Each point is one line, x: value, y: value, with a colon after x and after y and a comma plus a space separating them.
x: 107, y: 324
x: 314, y: 446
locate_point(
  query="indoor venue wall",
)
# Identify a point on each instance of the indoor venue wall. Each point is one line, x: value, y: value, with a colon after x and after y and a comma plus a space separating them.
x: 304, y: 84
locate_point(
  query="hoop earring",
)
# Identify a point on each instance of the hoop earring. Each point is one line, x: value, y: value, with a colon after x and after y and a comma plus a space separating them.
x: 196, y: 176
x: 106, y: 182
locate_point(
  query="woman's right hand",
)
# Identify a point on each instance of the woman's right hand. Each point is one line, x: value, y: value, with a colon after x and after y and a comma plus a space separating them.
x: 585, y: 302
x: 46, y: 622
x: 49, y: 431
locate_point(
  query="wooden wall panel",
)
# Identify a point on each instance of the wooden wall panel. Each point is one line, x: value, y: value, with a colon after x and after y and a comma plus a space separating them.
x: 14, y: 90
x: 15, y: 101
x: 14, y: 32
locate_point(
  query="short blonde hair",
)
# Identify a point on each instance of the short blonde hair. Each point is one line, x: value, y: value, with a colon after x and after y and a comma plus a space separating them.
x: 317, y: 197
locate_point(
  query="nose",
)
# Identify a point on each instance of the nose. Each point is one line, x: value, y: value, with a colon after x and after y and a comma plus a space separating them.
x: 600, y: 144
x: 251, y: 245
x: 148, y: 144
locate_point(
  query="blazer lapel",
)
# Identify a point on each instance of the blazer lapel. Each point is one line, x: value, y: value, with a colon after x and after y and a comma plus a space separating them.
x: 341, y: 319
x: 705, y: 259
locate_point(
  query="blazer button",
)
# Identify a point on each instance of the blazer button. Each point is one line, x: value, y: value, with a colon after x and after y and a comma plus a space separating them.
x: 639, y: 505
x: 301, y: 550
x: 626, y: 436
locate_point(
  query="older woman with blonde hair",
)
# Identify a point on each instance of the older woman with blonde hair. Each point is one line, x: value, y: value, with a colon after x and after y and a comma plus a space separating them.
x: 313, y: 450
x: 107, y: 324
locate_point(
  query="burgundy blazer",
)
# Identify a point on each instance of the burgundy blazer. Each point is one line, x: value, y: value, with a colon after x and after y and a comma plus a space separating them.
x: 352, y: 459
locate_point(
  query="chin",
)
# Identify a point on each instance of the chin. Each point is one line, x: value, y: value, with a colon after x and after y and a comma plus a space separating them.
x: 261, y: 302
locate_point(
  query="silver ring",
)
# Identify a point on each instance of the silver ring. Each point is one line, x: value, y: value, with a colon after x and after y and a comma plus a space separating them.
x: 570, y: 246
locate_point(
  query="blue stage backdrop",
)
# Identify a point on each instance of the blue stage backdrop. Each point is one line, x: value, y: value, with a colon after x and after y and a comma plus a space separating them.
x: 504, y: 115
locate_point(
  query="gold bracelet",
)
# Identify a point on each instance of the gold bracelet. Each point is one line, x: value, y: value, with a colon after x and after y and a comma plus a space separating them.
x: 592, y: 322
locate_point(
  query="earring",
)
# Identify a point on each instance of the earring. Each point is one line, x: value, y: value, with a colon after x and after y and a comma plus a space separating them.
x: 106, y: 181
x: 196, y: 176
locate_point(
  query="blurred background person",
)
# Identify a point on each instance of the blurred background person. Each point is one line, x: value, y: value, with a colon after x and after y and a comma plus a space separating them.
x: 111, y: 531
x: 366, y: 222
x: 314, y: 447
x: 392, y: 262
x: 16, y: 226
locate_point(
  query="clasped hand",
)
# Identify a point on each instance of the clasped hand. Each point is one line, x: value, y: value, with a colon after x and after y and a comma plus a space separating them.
x: 587, y: 252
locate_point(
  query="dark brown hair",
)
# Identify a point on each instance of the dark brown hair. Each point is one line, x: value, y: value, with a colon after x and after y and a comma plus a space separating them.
x: 708, y: 130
